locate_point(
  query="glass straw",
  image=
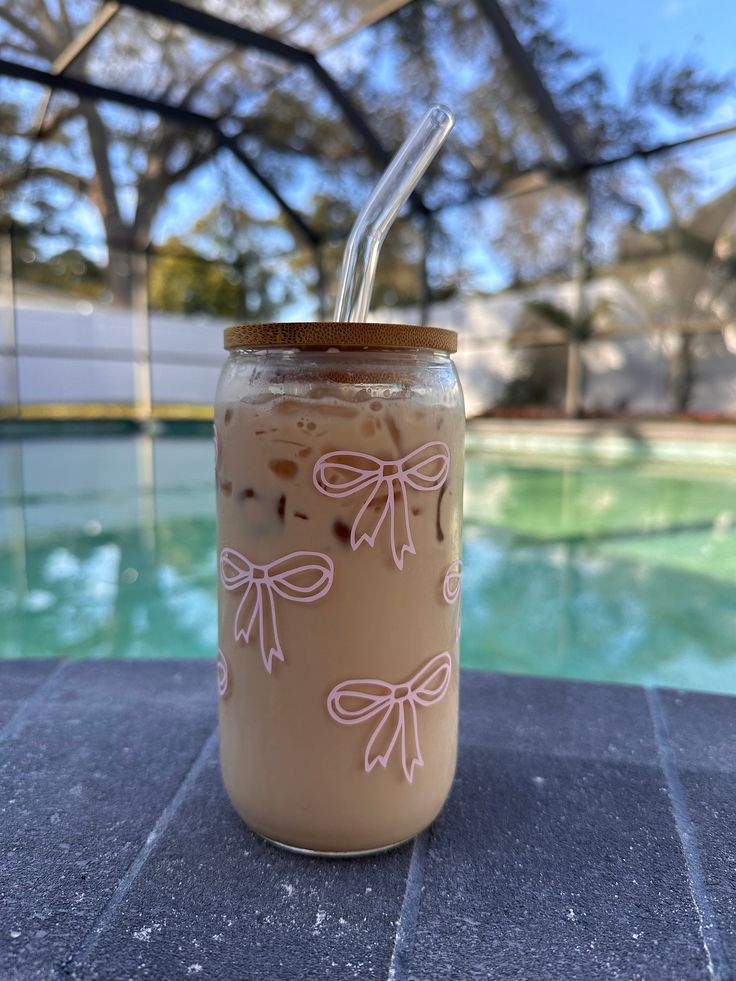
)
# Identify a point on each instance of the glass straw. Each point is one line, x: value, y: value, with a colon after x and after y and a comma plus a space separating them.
x: 378, y: 213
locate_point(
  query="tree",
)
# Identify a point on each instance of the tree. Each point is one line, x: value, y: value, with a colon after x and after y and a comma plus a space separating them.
x: 543, y: 333
x: 398, y: 277
x: 182, y: 281
x: 69, y: 270
x: 675, y: 283
x: 135, y: 158
x: 500, y: 134
x: 122, y: 164
x: 680, y: 276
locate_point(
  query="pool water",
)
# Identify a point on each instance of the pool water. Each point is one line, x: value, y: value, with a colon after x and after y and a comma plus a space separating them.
x: 575, y: 569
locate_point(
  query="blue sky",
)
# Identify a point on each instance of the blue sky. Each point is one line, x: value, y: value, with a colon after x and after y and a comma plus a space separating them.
x: 617, y: 36
x: 626, y: 30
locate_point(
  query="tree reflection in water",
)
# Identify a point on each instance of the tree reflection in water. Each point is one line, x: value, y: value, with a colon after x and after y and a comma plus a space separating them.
x: 573, y: 569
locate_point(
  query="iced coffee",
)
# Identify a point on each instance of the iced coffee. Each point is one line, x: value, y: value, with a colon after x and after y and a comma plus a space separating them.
x: 339, y: 488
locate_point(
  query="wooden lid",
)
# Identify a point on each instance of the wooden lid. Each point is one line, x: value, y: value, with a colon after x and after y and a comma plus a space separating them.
x: 343, y: 335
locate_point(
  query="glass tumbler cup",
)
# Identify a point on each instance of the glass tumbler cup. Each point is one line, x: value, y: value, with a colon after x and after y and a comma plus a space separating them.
x: 339, y: 468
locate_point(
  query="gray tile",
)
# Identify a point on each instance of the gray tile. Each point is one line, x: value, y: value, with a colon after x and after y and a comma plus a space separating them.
x: 557, y: 856
x: 702, y: 735
x: 549, y: 863
x: 19, y: 681
x: 214, y: 901
x: 82, y: 783
x: 577, y: 719
x: 702, y: 730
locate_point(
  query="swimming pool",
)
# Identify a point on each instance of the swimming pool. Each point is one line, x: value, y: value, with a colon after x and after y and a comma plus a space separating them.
x: 572, y: 569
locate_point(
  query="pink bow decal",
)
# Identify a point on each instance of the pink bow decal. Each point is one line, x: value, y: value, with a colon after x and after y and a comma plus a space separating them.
x: 223, y: 677
x: 353, y: 702
x: 288, y: 577
x: 342, y: 474
x: 452, y: 587
x: 453, y: 581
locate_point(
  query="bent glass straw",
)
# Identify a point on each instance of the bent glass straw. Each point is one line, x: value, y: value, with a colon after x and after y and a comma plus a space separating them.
x: 380, y: 210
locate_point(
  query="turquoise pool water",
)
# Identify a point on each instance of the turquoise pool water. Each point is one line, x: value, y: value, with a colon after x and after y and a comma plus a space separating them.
x: 574, y: 569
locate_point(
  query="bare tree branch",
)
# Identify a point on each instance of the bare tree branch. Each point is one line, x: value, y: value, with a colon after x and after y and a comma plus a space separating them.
x: 166, y: 47
x: 198, y: 157
x: 196, y: 87
x: 45, y: 19
x: 98, y: 138
x: 65, y: 17
x: 42, y: 44
x: 74, y: 181
x: 16, y: 48
x: 157, y: 180
x: 50, y: 126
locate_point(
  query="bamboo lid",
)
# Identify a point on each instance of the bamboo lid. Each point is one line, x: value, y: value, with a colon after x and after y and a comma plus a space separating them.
x: 326, y: 334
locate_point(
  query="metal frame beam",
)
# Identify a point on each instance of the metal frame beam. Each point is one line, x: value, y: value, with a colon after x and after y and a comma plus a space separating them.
x: 543, y: 176
x: 242, y: 37
x: 644, y: 152
x: 179, y: 114
x: 537, y: 175
x: 8, y: 325
x: 74, y: 50
x: 82, y: 41
x: 204, y: 23
x: 531, y: 80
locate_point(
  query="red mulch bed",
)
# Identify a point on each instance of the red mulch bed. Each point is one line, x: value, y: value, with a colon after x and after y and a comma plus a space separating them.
x: 549, y: 412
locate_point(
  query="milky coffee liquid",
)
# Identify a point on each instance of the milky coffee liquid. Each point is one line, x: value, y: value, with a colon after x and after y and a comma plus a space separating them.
x: 338, y: 549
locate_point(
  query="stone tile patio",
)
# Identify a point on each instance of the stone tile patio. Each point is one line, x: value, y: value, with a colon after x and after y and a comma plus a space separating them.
x: 590, y: 834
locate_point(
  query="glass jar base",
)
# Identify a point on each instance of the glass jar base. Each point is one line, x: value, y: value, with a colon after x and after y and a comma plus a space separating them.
x: 313, y: 853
